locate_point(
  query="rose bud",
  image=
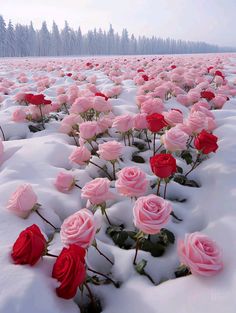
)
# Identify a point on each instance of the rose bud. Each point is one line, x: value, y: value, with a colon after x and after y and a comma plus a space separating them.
x: 163, y: 165
x: 69, y: 270
x: 64, y: 182
x: 97, y: 191
x: 110, y: 150
x: 29, y: 247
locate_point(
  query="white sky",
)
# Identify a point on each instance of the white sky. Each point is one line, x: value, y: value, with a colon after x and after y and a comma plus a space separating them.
x: 213, y: 21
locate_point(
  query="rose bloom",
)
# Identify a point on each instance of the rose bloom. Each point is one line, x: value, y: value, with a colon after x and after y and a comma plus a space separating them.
x: 79, y: 229
x: 152, y: 105
x: 88, y: 130
x: 97, y: 191
x: 69, y: 270
x: 110, y: 150
x: 200, y: 254
x: 101, y: 105
x: 196, y: 121
x: 163, y: 165
x: 174, y: 139
x: 140, y: 121
x: 19, y: 115
x: 64, y: 182
x: 29, y: 247
x: 156, y: 122
x: 81, y: 105
x: 80, y: 155
x: 131, y: 182
x: 123, y: 123
x: 151, y: 213
x: 22, y: 201
x: 206, y: 142
x: 173, y: 117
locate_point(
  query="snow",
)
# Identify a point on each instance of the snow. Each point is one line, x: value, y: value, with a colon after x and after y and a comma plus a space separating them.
x: 38, y: 158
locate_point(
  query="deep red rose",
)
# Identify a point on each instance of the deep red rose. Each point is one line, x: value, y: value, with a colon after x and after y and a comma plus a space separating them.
x: 69, y: 270
x: 69, y: 74
x: 173, y: 67
x: 140, y: 70
x: 39, y: 100
x: 163, y: 165
x: 28, y: 97
x: 156, y: 122
x: 219, y: 73
x: 206, y: 142
x: 145, y: 77
x: 88, y: 64
x: 208, y: 95
x: 100, y: 94
x: 29, y: 247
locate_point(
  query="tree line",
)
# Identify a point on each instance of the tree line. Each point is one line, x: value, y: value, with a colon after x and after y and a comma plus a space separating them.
x: 24, y: 40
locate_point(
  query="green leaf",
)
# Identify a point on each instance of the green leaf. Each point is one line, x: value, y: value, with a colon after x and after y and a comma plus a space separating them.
x: 156, y: 249
x: 141, y: 146
x: 138, y: 159
x: 179, y: 169
x: 182, y: 180
x: 182, y: 271
x: 186, y: 155
x: 167, y: 235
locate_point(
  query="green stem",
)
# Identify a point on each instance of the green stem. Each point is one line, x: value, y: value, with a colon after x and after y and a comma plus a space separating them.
x: 136, y: 251
x: 42, y: 119
x: 109, y: 176
x: 45, y: 220
x: 105, y: 276
x: 165, y: 190
x: 91, y: 297
x: 102, y: 254
x: 3, y: 135
x: 154, y: 143
x: 158, y: 186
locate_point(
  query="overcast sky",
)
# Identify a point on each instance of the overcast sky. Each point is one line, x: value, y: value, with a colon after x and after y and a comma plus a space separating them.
x: 213, y: 21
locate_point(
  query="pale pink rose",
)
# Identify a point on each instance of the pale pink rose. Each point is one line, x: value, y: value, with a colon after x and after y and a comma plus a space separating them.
x: 132, y: 182
x: 101, y: 105
x: 141, y: 98
x: 110, y: 150
x: 151, y: 213
x: 123, y: 123
x: 97, y: 191
x: 104, y: 123
x: 68, y: 122
x: 194, y: 96
x: 185, y: 128
x: 140, y: 121
x: 80, y: 155
x: 22, y: 201
x: 211, y: 124
x: 78, y: 229
x: 174, y: 139
x: 81, y: 105
x: 60, y: 90
x: 88, y: 130
x: 64, y: 182
x: 183, y: 99
x: 62, y: 99
x: 218, y: 80
x: 151, y: 106
x: 219, y: 101
x: 200, y: 254
x: 197, y: 121
x: 20, y: 97
x: 173, y: 117
x: 92, y: 79
x: 19, y: 115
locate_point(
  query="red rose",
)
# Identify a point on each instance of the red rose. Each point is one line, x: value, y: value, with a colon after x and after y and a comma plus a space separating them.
x: 219, y: 73
x: 28, y: 96
x: 208, y: 95
x: 29, y: 246
x: 100, y: 94
x: 209, y: 68
x: 145, y: 77
x: 163, y: 165
x: 39, y: 99
x: 140, y: 70
x: 69, y: 74
x: 206, y: 142
x: 156, y: 122
x: 69, y: 270
x: 173, y: 67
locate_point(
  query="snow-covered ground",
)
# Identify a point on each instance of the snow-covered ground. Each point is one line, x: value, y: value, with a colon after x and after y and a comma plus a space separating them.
x: 37, y: 158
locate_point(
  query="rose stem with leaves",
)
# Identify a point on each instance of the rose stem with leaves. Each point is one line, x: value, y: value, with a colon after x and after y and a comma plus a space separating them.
x: 101, y: 253
x: 91, y: 297
x: 154, y: 143
x: 195, y: 164
x: 108, y: 175
x: 105, y: 276
x: 158, y: 186
x: 42, y: 119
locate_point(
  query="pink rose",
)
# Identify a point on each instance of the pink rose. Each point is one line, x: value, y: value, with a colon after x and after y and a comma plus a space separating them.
x: 62, y: 99
x: 200, y: 254
x: 19, y: 115
x: 110, y: 150
x: 140, y: 121
x: 104, y: 123
x: 173, y: 117
x: 69, y: 122
x: 97, y: 191
x: 123, y: 123
x: 132, y: 182
x: 80, y: 155
x: 81, y: 105
x: 78, y: 229
x: 151, y: 213
x: 64, y: 182
x: 101, y: 105
x: 88, y: 130
x: 197, y: 121
x: 151, y: 106
x: 174, y: 139
x: 22, y: 201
